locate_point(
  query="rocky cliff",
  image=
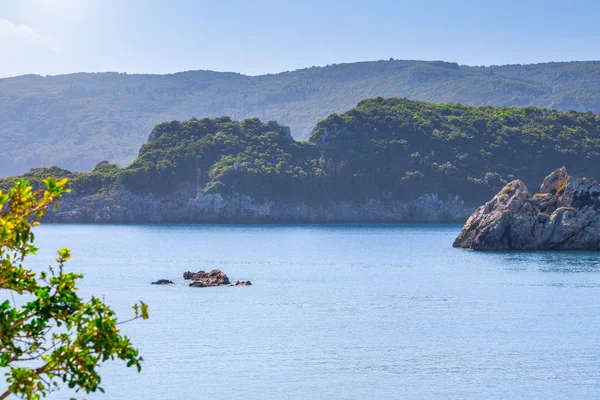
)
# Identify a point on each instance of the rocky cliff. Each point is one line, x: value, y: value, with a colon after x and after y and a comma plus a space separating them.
x: 190, y: 205
x: 564, y: 215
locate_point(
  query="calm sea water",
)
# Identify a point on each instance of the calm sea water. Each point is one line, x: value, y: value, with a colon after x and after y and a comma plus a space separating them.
x: 340, y: 312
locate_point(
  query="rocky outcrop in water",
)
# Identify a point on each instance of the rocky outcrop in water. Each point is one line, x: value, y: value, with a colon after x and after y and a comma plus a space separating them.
x: 564, y: 215
x: 187, y: 275
x: 205, y: 279
x: 162, y: 282
x: 191, y: 205
x: 242, y: 283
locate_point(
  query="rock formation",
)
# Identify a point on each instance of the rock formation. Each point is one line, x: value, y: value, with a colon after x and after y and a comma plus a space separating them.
x: 191, y: 205
x: 242, y: 283
x: 565, y: 215
x: 204, y: 279
x: 163, y: 282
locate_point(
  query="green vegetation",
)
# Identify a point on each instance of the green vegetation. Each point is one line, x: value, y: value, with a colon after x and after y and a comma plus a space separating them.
x: 54, y: 336
x: 383, y: 149
x: 77, y: 120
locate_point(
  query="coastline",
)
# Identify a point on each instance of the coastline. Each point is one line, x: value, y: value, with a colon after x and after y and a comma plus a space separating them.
x: 189, y: 206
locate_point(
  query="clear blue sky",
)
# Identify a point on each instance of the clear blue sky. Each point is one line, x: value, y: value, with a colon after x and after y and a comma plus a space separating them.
x: 254, y: 37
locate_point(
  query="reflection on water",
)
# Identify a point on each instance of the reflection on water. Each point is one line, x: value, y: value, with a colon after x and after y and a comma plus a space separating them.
x: 551, y: 261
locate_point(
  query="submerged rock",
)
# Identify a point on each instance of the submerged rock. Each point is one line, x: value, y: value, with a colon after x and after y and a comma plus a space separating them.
x: 163, y: 282
x: 565, y: 215
x: 242, y: 283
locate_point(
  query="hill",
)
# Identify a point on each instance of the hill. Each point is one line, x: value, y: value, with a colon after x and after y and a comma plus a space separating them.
x: 79, y: 119
x: 385, y: 160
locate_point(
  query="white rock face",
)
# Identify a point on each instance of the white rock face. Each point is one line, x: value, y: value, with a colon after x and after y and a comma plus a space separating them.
x: 565, y: 215
x: 192, y: 206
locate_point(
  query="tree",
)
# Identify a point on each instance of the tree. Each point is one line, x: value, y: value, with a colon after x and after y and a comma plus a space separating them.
x: 55, y: 336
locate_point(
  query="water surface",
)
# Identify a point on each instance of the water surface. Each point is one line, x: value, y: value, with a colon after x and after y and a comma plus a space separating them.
x: 344, y: 312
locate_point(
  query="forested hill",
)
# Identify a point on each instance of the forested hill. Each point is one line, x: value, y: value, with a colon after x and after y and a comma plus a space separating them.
x: 77, y: 120
x: 384, y: 149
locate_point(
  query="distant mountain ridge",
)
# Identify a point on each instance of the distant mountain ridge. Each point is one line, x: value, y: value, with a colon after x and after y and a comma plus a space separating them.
x: 80, y: 119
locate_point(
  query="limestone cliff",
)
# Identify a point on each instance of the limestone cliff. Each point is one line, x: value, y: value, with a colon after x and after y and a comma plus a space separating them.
x: 191, y: 205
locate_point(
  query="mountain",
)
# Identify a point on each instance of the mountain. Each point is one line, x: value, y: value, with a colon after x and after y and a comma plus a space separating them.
x: 79, y: 119
x: 387, y: 160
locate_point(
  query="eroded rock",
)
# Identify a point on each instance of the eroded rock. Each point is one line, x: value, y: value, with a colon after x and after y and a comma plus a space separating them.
x: 565, y: 215
x: 206, y: 279
x: 202, y: 279
x: 190, y: 204
x: 162, y: 282
x: 242, y: 283
x: 194, y: 275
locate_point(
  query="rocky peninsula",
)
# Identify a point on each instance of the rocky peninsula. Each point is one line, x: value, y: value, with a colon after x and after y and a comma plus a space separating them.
x: 564, y: 215
x: 386, y: 161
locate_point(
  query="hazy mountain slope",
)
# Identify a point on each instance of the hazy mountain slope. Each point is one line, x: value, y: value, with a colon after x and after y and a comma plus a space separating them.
x: 387, y: 160
x: 77, y: 120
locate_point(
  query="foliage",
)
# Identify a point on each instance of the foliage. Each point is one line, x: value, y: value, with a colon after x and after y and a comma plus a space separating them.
x: 77, y: 120
x: 55, y: 336
x: 384, y: 149
x: 457, y: 149
x: 222, y: 155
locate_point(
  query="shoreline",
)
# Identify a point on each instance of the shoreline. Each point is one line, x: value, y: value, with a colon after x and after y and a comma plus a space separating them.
x: 259, y: 224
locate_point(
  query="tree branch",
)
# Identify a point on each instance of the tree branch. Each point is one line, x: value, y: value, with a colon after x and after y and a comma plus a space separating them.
x: 37, y: 371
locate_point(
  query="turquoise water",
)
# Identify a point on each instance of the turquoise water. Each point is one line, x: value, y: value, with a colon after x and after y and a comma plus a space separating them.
x: 344, y: 312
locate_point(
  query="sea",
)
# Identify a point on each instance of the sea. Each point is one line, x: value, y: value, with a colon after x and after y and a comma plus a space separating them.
x: 338, y: 312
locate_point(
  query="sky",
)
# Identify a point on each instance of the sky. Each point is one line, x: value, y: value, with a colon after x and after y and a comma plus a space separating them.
x: 50, y: 37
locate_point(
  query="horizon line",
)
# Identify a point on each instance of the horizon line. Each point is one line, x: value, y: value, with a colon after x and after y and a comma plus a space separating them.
x: 391, y: 59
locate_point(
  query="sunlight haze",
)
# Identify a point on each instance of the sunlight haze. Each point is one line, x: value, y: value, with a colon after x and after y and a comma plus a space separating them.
x: 51, y: 37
